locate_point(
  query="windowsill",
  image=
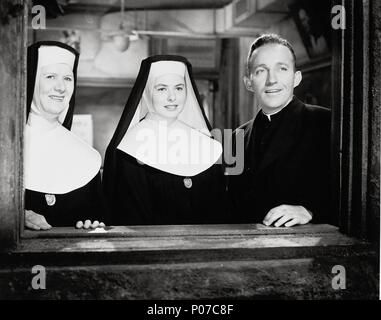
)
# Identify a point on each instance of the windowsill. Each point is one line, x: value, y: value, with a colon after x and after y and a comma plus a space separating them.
x: 179, y: 230
x: 147, y: 245
x: 183, y: 238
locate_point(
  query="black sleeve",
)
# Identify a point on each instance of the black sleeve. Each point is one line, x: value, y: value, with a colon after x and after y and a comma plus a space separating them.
x: 92, y: 204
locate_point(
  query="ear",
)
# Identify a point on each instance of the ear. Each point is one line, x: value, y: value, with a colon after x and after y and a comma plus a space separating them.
x: 248, y: 83
x: 298, y: 78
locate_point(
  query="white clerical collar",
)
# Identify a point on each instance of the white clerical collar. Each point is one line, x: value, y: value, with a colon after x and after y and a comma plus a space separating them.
x: 176, y: 148
x: 268, y: 115
x: 56, y: 161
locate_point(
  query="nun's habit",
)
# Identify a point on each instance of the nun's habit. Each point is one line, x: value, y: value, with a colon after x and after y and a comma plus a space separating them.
x: 61, y: 172
x: 160, y: 173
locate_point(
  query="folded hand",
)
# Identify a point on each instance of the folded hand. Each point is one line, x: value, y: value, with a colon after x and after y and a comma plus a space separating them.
x: 287, y: 215
x: 36, y: 221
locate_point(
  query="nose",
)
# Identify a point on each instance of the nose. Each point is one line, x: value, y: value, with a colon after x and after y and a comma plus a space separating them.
x: 271, y: 78
x: 60, y: 86
x: 171, y: 95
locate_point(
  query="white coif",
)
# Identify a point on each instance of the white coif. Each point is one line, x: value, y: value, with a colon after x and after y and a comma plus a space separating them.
x: 56, y: 160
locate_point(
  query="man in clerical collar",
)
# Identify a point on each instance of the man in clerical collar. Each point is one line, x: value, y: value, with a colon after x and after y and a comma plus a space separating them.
x: 285, y: 181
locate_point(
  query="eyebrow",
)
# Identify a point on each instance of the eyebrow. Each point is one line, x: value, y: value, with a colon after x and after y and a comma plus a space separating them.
x: 165, y: 85
x: 262, y: 65
x: 259, y: 65
x: 55, y: 73
x: 283, y: 64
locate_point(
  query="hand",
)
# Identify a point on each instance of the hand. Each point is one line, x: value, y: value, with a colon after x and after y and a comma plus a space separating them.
x: 287, y: 215
x: 36, y: 221
x: 88, y: 224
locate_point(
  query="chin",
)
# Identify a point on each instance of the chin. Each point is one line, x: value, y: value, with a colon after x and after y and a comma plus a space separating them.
x: 275, y: 104
x: 169, y: 115
x: 58, y: 107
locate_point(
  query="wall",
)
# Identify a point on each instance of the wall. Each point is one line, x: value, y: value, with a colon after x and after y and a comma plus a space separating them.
x: 106, y: 106
x: 246, y: 107
x: 316, y: 69
x: 98, y: 56
x: 287, y: 29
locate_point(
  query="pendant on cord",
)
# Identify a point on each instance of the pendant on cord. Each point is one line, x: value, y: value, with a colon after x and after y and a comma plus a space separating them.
x: 50, y: 199
x: 188, y: 183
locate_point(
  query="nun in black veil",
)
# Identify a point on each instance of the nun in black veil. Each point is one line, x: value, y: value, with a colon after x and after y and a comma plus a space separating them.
x: 61, y: 172
x: 161, y: 164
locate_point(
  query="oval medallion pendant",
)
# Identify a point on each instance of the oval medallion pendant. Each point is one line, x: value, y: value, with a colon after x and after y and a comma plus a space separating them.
x: 188, y: 183
x: 50, y: 199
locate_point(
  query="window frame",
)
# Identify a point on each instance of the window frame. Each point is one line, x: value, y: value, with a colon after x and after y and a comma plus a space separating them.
x: 356, y: 121
x: 346, y: 159
x: 13, y: 32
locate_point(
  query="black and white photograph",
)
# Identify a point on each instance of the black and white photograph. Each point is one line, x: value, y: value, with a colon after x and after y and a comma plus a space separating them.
x: 190, y: 157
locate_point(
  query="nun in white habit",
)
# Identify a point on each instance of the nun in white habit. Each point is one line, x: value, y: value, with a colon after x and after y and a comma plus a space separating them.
x: 161, y: 166
x: 61, y: 172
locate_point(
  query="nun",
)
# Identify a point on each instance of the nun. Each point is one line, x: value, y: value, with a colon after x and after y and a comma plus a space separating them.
x: 161, y: 166
x: 61, y: 172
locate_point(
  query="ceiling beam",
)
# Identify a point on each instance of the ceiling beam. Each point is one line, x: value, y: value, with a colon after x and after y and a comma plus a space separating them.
x: 114, y: 5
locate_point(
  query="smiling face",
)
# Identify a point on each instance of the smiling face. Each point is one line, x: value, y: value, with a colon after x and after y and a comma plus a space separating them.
x: 272, y: 77
x: 55, y: 88
x: 168, y: 96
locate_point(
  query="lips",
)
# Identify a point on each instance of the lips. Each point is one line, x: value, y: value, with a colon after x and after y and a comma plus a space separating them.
x: 273, y: 91
x: 57, y: 98
x: 171, y: 107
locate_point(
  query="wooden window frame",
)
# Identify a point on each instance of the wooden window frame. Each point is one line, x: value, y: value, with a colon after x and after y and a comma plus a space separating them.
x: 348, y: 153
x: 356, y: 120
x: 12, y: 118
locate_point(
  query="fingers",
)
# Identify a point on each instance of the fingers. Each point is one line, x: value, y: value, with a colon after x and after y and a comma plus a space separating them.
x: 36, y: 221
x: 95, y: 224
x: 287, y: 215
x: 291, y: 223
x: 32, y: 226
x: 44, y: 224
x: 79, y: 225
x: 88, y: 224
x: 282, y: 220
x: 273, y: 215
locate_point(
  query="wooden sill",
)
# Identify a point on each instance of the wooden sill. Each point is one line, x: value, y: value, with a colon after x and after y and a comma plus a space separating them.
x: 182, y: 238
x: 180, y: 244
x: 179, y: 230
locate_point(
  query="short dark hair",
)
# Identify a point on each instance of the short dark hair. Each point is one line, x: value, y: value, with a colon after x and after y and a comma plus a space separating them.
x: 269, y: 38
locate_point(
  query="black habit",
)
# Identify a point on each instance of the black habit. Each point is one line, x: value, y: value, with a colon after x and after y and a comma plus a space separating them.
x: 286, y: 162
x: 83, y: 203
x: 77, y: 205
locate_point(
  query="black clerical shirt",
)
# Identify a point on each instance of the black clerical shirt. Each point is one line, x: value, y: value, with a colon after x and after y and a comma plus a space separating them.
x: 266, y: 125
x: 286, y: 162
